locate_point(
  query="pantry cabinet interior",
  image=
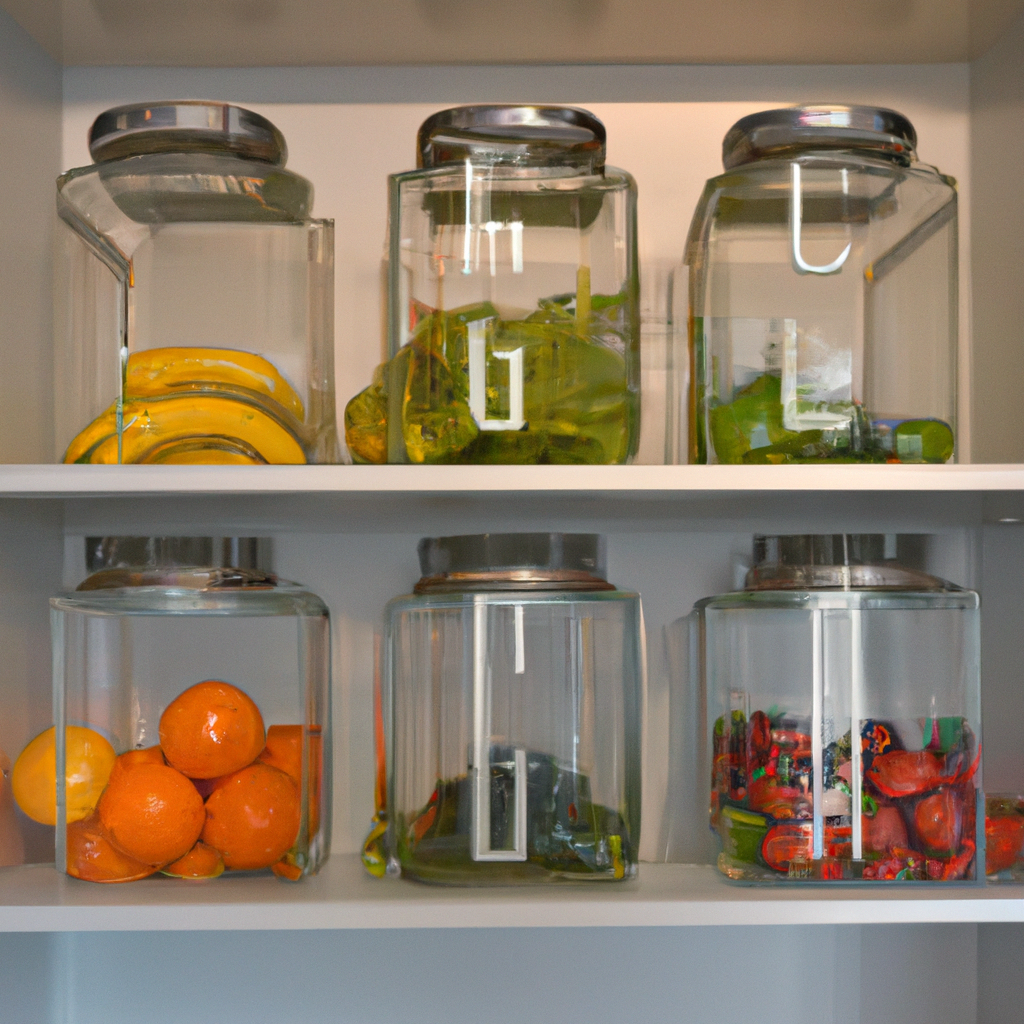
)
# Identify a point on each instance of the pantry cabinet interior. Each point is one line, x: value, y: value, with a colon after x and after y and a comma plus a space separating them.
x: 680, y: 942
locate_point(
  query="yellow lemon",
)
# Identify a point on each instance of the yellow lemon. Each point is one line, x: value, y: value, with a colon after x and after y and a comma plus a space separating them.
x: 89, y: 760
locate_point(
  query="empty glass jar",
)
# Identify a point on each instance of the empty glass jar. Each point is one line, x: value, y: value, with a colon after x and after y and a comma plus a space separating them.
x: 823, y: 294
x: 513, y: 301
x: 843, y: 697
x: 512, y: 714
x: 194, y: 688
x: 196, y: 320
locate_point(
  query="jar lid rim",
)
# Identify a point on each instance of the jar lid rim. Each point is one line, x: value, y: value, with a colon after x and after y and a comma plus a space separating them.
x: 175, y: 126
x: 768, y: 133
x: 525, y: 134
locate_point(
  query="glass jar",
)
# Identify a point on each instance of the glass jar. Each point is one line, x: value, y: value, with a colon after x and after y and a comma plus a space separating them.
x: 209, y: 679
x: 196, y: 319
x: 823, y: 294
x: 513, y: 689
x: 843, y: 696
x: 1004, y: 837
x: 513, y: 299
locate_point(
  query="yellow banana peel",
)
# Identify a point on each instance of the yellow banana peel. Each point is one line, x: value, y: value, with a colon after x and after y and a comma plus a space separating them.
x: 188, y: 430
x: 198, y: 406
x: 158, y: 372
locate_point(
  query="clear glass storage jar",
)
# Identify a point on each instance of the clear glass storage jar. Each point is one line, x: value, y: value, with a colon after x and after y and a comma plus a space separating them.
x: 513, y: 300
x: 195, y: 295
x: 209, y: 679
x: 843, y: 700
x: 823, y: 294
x: 512, y: 714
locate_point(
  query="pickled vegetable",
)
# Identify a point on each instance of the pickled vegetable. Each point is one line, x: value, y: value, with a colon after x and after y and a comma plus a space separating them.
x: 566, y: 832
x: 750, y: 429
x: 473, y: 387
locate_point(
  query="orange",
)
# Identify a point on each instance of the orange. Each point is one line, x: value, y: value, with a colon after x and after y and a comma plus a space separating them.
x: 88, y: 761
x: 284, y: 750
x: 152, y: 813
x: 211, y: 729
x: 201, y: 861
x: 253, y: 817
x: 147, y: 755
x: 92, y: 856
x: 286, y: 869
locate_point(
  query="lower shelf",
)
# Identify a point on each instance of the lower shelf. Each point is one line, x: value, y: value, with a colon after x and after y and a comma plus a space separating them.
x: 39, y: 899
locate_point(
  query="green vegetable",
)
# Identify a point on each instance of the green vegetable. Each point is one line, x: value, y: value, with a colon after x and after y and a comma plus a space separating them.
x: 579, y: 396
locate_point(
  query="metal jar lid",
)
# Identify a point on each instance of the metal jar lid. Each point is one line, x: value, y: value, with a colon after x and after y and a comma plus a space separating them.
x: 840, y: 561
x: 513, y: 561
x: 189, y: 563
x: 769, y: 133
x: 526, y: 135
x: 185, y: 126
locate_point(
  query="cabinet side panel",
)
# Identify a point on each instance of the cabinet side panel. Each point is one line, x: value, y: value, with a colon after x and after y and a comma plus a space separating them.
x: 997, y: 247
x: 30, y: 115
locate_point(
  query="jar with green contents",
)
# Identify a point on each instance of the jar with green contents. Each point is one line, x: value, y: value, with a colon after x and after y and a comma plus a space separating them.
x: 513, y: 312
x: 823, y: 294
x: 510, y: 718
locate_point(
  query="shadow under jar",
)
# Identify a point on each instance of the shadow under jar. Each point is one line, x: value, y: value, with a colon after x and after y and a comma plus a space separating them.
x: 210, y: 679
x: 823, y: 294
x: 513, y: 302
x: 844, y: 711
x: 195, y: 315
x: 512, y: 710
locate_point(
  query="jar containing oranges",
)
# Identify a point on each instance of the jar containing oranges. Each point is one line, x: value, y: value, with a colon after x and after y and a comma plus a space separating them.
x: 192, y: 716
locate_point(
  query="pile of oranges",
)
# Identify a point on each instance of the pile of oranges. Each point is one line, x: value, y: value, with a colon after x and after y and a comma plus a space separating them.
x: 219, y: 792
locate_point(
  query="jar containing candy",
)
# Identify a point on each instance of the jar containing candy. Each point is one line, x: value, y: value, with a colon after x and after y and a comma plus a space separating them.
x: 195, y: 313
x: 844, y: 717
x: 192, y: 716
x: 1004, y: 837
x: 823, y: 294
x: 512, y: 715
x: 513, y: 300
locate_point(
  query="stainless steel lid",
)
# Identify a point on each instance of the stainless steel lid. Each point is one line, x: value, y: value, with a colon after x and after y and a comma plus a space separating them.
x: 175, y: 126
x: 768, y: 133
x: 512, y: 133
x: 513, y: 561
x: 165, y: 552
x: 840, y: 561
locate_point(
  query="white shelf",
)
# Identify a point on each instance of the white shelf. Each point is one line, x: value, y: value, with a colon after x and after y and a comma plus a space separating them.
x: 39, y: 899
x: 56, y: 481
x: 326, y: 32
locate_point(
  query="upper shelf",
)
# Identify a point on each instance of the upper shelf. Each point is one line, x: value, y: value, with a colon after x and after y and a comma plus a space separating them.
x: 225, y: 33
x: 38, y: 898
x: 54, y: 481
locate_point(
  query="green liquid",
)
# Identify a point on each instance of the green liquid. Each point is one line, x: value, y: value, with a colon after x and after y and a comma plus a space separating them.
x: 579, y: 406
x: 567, y: 834
x: 750, y: 430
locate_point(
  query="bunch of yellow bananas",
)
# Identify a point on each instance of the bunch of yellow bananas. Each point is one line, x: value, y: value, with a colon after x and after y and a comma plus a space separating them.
x: 192, y: 406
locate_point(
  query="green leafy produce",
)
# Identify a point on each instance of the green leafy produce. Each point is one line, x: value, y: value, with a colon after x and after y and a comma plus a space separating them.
x: 750, y: 430
x: 579, y: 403
x: 566, y: 832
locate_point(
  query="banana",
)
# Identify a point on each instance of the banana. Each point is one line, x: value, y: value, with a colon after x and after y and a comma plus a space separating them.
x: 157, y: 372
x: 188, y: 429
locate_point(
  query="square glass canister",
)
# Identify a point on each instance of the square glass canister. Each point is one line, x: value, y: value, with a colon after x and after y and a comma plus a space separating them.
x: 512, y: 712
x: 823, y: 294
x: 195, y: 295
x: 192, y: 711
x: 513, y: 297
x: 844, y: 715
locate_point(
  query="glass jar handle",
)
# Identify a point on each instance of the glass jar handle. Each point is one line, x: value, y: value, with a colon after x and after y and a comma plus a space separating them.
x: 480, y: 827
x: 796, y: 202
